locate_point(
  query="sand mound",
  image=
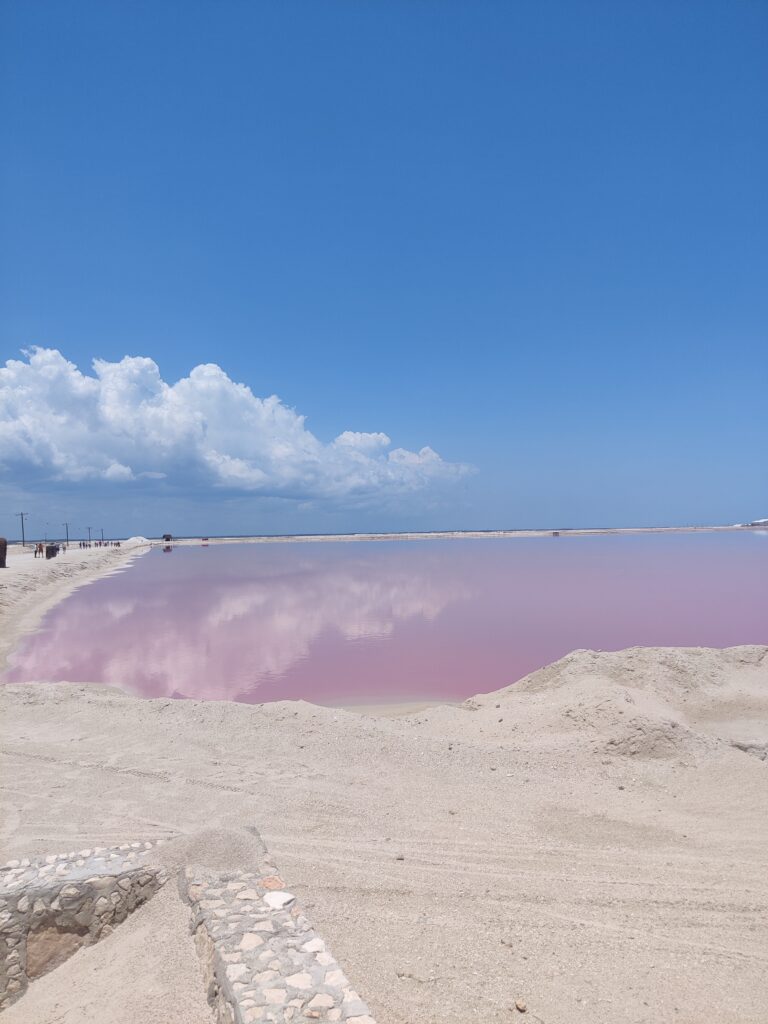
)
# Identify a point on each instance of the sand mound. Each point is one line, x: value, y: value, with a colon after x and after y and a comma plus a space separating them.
x: 643, y: 737
x: 643, y: 702
x: 669, y: 672
x: 217, y: 849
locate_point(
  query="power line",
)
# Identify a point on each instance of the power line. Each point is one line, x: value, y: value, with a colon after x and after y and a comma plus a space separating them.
x: 22, y: 516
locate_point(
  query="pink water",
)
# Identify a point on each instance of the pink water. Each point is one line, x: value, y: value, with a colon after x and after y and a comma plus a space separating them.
x: 375, y: 622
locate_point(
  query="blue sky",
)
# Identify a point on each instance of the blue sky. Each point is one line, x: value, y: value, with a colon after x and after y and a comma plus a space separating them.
x: 529, y: 237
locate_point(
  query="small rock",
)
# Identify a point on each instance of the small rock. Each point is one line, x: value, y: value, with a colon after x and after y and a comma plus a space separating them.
x: 301, y: 980
x: 272, y: 882
x: 278, y: 900
x: 264, y: 976
x: 399, y: 857
x: 321, y: 1001
x: 275, y: 996
x: 520, y: 1006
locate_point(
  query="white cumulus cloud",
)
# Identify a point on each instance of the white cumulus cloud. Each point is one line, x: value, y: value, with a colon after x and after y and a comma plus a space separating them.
x: 125, y: 423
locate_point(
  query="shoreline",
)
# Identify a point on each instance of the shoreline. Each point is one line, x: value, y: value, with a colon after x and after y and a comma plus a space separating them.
x: 345, y: 538
x: 30, y: 587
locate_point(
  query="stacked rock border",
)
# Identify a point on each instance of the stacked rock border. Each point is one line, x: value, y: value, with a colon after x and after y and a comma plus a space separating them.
x: 263, y: 963
x: 50, y: 907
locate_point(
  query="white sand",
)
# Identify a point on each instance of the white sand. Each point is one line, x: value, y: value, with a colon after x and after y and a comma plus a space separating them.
x: 588, y: 840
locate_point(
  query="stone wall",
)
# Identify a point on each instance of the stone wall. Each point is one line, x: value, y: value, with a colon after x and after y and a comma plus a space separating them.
x: 50, y: 907
x: 263, y: 962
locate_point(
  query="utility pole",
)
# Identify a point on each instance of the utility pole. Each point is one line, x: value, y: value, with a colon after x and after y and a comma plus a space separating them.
x: 89, y: 533
x: 66, y: 527
x: 102, y: 534
x: 22, y: 516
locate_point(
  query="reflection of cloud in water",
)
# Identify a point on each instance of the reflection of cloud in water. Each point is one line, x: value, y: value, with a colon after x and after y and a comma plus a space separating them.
x: 342, y: 624
x: 221, y: 638
x: 118, y: 608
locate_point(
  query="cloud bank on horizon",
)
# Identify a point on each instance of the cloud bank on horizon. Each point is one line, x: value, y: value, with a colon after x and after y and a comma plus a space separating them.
x: 125, y: 423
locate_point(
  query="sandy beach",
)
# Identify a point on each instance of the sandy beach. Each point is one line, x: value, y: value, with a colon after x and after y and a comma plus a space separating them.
x: 591, y: 841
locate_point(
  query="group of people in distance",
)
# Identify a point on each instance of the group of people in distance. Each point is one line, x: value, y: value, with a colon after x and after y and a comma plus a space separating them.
x: 40, y: 546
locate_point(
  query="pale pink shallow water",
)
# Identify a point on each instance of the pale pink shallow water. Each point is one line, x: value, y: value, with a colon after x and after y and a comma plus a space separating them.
x: 376, y: 622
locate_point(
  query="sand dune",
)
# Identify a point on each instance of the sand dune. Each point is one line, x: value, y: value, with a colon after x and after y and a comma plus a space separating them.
x: 591, y: 840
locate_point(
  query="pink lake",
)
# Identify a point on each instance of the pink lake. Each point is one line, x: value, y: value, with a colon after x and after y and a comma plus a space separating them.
x: 353, y: 623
